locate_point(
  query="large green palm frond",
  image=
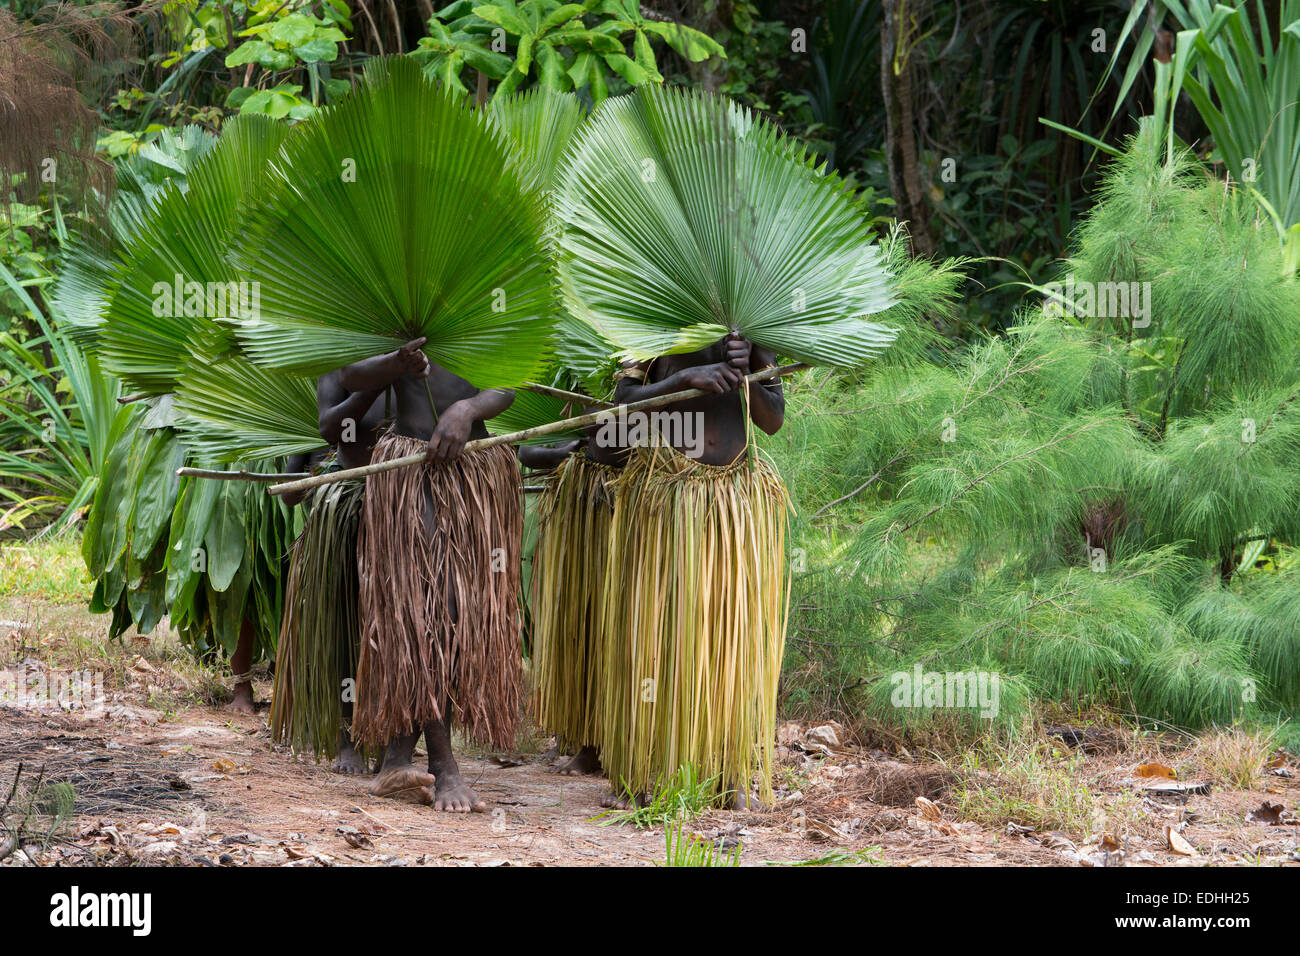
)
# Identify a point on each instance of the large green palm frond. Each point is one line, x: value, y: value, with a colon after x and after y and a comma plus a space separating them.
x: 89, y: 266
x: 179, y: 239
x: 400, y: 213
x: 687, y: 216
x: 540, y: 125
x: 231, y: 410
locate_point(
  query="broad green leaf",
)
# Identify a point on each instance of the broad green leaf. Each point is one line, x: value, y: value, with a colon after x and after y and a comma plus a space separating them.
x: 677, y: 209
x: 292, y: 30
x: 316, y: 50
x: 225, y: 540
x: 375, y: 230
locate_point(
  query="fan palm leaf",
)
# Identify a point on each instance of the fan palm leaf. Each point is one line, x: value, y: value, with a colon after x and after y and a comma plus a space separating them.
x: 540, y: 125
x: 178, y: 240
x: 687, y: 217
x: 232, y: 410
x: 400, y: 213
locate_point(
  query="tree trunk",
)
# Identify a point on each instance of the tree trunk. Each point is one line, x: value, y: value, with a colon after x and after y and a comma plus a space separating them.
x: 900, y: 125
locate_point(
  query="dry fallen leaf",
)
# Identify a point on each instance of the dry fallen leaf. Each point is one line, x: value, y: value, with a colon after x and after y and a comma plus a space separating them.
x: 929, y: 810
x: 1271, y: 815
x: 1155, y: 770
x: 1178, y: 844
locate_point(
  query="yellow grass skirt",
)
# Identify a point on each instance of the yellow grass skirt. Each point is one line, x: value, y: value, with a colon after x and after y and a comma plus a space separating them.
x: 440, y: 599
x: 695, y: 624
x: 321, y: 630
x: 568, y: 589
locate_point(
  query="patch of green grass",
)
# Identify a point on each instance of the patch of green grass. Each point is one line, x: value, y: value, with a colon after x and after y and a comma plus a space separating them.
x: 49, y: 569
x: 686, y: 849
x: 1233, y: 758
x: 871, y: 856
x: 683, y: 796
x: 1033, y: 786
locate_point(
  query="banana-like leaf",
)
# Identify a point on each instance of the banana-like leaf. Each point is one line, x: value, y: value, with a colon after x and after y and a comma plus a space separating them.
x: 687, y: 217
x: 400, y: 213
x: 174, y: 278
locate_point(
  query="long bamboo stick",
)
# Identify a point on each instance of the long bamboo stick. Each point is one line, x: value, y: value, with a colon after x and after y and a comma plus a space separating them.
x: 492, y: 441
x: 577, y: 397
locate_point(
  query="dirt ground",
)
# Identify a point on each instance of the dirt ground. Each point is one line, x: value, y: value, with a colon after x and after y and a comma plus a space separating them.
x: 161, y: 777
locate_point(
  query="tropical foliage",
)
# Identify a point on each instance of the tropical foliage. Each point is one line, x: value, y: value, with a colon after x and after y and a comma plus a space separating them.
x: 1071, y: 507
x: 560, y: 46
x: 372, y: 232
x: 676, y: 210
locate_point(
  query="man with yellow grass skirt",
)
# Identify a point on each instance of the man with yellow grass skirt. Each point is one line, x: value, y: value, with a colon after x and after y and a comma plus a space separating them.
x: 692, y: 606
x: 574, y: 517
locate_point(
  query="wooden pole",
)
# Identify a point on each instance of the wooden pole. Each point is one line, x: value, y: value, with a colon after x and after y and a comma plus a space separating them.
x: 577, y: 397
x: 492, y: 441
x: 241, y: 475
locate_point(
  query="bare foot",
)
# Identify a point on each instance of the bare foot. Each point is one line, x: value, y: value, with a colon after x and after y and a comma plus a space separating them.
x: 454, y: 795
x: 349, y: 761
x: 585, y: 761
x: 403, y: 782
x: 243, y: 702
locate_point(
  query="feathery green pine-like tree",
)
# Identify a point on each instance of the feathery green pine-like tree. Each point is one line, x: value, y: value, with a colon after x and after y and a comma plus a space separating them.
x: 1100, y: 508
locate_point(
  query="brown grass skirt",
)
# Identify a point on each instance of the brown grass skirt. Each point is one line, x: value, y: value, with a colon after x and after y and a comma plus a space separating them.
x: 440, y: 600
x: 568, y: 598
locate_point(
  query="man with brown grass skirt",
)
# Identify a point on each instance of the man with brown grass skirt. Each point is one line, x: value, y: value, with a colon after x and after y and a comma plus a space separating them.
x: 320, y: 637
x: 574, y: 515
x: 439, y: 584
x: 695, y: 623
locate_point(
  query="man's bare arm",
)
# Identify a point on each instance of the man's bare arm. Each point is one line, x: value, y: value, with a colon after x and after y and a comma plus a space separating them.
x: 720, y: 377
x: 335, y: 405
x: 383, y: 370
x: 546, y: 457
x: 457, y: 421
x: 766, y: 399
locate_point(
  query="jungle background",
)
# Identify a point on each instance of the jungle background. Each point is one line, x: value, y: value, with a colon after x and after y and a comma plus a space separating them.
x: 1105, y: 518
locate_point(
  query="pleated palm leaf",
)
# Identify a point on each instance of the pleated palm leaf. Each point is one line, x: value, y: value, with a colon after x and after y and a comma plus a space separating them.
x: 80, y: 295
x: 173, y: 277
x: 400, y: 213
x: 232, y: 410
x: 540, y: 125
x: 687, y: 217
